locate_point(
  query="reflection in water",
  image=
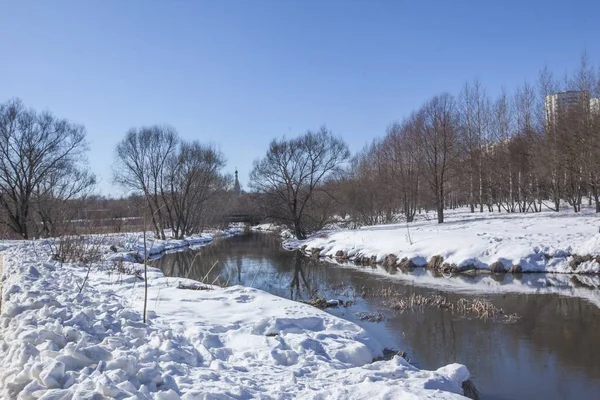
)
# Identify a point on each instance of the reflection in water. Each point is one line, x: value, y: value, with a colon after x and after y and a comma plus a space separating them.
x: 298, y: 273
x: 550, y: 353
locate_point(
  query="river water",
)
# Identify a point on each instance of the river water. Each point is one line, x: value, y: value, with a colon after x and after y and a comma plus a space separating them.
x: 552, y: 352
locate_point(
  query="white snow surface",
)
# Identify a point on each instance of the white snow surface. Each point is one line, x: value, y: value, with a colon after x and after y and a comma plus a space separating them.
x: 281, y: 230
x: 222, y: 343
x: 538, y: 242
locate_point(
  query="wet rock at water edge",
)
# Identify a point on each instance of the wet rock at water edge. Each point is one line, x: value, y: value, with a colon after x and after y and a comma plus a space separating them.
x: 497, y: 268
x: 469, y: 390
x: 448, y: 268
x: 435, y: 263
x: 390, y: 260
x: 515, y: 269
x: 316, y: 252
x: 407, y: 265
x: 576, y: 260
x: 341, y: 255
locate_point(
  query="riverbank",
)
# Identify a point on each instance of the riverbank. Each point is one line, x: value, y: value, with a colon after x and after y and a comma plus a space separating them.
x: 563, y: 242
x: 124, y: 246
x: 210, y: 343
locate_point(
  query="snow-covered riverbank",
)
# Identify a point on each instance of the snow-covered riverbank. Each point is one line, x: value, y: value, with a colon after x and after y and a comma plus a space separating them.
x: 129, y: 244
x: 220, y: 343
x: 562, y: 242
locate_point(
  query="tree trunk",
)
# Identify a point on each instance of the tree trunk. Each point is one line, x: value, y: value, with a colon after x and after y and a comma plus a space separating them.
x: 440, y: 206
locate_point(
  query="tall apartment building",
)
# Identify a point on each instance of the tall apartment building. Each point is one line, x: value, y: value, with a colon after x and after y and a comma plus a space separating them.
x: 595, y: 105
x: 559, y: 103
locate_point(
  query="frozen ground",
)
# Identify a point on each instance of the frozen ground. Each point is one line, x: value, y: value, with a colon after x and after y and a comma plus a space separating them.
x: 538, y: 242
x: 233, y: 343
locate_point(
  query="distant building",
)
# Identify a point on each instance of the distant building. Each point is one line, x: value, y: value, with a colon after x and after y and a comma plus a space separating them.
x: 595, y: 105
x: 559, y: 103
x: 236, y: 186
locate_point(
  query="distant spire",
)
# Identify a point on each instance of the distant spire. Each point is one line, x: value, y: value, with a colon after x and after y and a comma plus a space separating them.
x: 236, y: 186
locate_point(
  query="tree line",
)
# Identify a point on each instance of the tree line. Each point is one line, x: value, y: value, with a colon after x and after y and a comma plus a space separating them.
x: 534, y: 149
x: 45, y: 182
x: 517, y: 152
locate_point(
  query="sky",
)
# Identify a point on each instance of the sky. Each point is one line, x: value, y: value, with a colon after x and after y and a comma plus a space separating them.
x: 236, y: 74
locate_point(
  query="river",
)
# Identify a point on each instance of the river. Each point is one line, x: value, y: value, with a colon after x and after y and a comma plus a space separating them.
x: 551, y: 352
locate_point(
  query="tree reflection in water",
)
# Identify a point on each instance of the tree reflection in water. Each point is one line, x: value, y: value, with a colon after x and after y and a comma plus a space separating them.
x: 298, y: 275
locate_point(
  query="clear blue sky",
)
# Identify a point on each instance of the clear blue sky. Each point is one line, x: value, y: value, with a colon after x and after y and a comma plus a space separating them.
x: 238, y: 73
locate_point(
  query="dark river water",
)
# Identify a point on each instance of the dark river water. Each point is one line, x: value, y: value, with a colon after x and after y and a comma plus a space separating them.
x: 552, y: 352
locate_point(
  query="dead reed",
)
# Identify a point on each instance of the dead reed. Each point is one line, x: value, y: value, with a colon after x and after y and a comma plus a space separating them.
x: 479, y: 308
x: 375, y: 316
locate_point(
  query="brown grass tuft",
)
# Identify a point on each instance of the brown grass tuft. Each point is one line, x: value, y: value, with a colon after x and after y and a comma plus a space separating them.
x: 479, y: 308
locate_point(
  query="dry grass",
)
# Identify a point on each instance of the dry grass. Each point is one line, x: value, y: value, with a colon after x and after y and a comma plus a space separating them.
x: 478, y: 308
x: 193, y: 286
x: 416, y: 301
x: 322, y: 303
x: 120, y: 267
x: 375, y: 316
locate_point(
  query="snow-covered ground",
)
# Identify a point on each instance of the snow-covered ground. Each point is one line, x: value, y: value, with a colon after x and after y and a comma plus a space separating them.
x: 222, y: 343
x: 282, y: 231
x: 537, y: 242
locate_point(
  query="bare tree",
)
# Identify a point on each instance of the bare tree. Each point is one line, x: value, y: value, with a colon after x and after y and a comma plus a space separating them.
x: 58, y: 199
x: 502, y: 134
x: 140, y: 166
x: 400, y: 145
x: 475, y: 120
x: 437, y: 141
x: 193, y: 179
x: 294, y: 170
x: 367, y: 190
x: 37, y: 149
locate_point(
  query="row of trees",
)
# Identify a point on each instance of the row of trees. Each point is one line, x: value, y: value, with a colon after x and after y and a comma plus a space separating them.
x: 519, y: 152
x: 514, y: 153
x: 45, y: 182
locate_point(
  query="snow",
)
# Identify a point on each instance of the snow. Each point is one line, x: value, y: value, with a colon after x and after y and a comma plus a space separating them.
x: 282, y: 231
x: 216, y: 343
x: 538, y: 242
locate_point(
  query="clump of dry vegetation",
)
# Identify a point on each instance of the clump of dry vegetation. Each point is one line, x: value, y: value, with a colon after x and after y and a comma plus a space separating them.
x: 120, y: 269
x: 479, y: 308
x: 322, y: 303
x: 375, y: 316
x: 193, y: 286
x: 86, y: 252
